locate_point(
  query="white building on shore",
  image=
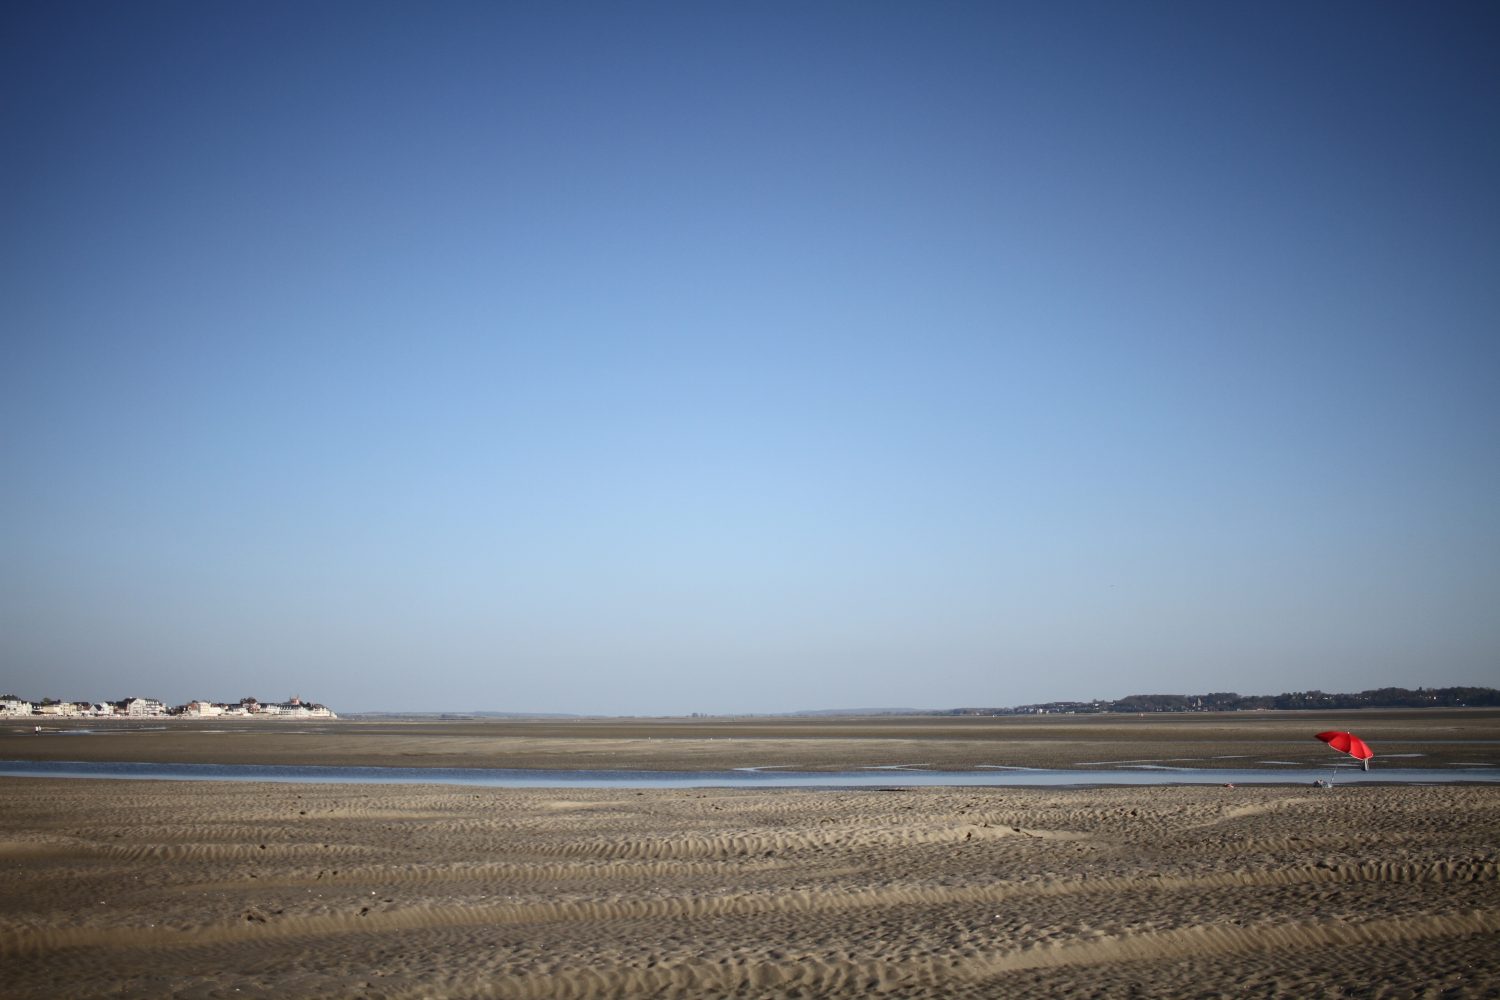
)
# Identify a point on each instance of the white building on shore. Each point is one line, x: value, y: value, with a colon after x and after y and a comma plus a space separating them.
x: 11, y: 705
x: 65, y: 709
x: 295, y: 708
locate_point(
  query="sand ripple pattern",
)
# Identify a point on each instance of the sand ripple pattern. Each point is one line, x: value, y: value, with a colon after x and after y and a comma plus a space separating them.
x: 163, y: 890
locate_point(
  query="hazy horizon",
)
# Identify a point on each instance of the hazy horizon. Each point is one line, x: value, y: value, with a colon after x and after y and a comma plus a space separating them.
x: 674, y: 358
x: 830, y: 710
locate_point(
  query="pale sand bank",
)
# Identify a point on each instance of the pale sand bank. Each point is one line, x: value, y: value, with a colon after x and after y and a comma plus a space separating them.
x: 159, y: 889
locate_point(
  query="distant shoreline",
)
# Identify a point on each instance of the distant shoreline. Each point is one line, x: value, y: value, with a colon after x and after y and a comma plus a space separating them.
x: 1388, y: 698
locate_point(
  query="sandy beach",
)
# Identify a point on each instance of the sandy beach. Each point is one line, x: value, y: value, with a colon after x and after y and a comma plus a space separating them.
x: 158, y: 889
x: 174, y: 889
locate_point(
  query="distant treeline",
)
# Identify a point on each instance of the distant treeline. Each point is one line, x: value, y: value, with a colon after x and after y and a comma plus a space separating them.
x: 1228, y: 701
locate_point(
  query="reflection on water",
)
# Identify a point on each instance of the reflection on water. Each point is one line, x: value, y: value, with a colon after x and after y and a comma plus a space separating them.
x: 903, y: 777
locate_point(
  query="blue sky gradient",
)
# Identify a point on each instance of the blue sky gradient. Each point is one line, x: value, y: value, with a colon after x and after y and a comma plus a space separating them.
x: 658, y: 358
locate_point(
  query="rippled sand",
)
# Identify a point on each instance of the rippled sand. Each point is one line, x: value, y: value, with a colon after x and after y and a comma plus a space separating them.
x: 159, y: 889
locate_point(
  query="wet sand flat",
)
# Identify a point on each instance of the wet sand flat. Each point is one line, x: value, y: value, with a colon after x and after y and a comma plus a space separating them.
x: 1423, y: 738
x: 200, y: 890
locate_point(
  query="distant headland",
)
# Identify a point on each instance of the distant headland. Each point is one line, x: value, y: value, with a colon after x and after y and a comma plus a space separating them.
x: 1228, y: 701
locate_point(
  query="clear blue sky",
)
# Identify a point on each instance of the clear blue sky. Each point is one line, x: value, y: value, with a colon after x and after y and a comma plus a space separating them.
x: 659, y: 358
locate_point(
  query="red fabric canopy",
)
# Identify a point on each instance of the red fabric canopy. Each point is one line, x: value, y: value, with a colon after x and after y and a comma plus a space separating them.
x: 1349, y: 744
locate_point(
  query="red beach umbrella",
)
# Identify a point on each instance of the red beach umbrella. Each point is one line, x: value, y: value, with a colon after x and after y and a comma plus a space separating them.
x: 1349, y: 744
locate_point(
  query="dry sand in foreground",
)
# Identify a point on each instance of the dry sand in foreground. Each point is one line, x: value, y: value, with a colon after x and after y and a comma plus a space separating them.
x: 161, y: 889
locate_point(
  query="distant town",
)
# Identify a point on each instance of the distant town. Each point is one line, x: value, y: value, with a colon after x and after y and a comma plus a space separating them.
x: 12, y: 706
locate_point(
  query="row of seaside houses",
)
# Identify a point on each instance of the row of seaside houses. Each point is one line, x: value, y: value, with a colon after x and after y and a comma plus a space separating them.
x: 150, y: 708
